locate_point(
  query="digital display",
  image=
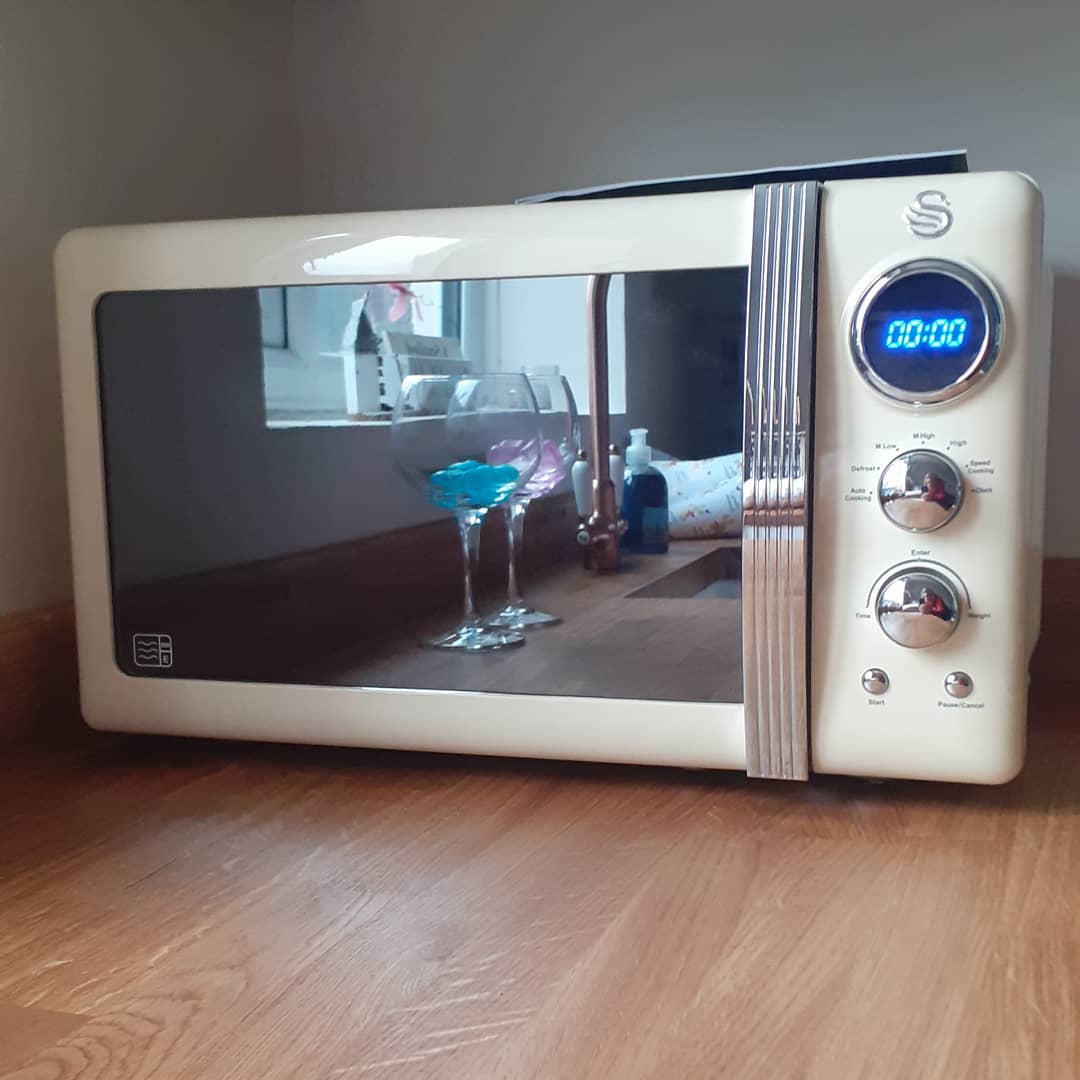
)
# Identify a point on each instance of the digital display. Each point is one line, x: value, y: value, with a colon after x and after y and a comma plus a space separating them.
x: 924, y: 331
x: 935, y: 332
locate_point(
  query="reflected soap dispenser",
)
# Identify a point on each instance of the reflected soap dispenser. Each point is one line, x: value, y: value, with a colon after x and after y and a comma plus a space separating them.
x: 645, y: 499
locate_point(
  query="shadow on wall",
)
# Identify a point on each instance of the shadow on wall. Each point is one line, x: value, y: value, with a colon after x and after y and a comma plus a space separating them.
x: 1062, y: 514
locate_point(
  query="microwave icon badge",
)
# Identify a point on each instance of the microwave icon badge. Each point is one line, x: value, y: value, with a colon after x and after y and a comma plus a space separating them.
x: 153, y: 650
x: 928, y: 214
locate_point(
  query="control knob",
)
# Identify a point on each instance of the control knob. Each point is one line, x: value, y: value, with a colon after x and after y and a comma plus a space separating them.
x: 920, y: 490
x: 918, y: 606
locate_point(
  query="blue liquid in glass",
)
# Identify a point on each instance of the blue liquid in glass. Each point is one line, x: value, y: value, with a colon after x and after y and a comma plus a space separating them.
x: 472, y: 485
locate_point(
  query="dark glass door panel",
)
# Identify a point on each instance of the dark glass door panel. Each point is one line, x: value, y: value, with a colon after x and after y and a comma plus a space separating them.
x: 266, y: 525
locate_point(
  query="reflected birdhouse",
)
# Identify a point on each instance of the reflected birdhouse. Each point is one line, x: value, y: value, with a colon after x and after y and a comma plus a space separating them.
x: 364, y: 382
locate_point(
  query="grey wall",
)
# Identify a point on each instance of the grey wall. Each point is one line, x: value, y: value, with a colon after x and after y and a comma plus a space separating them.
x: 483, y: 101
x: 115, y: 111
x: 120, y: 111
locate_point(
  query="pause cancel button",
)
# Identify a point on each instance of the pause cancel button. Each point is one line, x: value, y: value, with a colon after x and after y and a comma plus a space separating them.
x: 153, y: 650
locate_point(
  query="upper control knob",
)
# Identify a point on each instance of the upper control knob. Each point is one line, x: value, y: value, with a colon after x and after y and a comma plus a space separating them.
x: 920, y: 490
x: 918, y: 606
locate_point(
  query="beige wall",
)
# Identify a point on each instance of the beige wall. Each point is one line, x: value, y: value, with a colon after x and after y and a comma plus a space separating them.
x: 115, y: 111
x: 486, y: 101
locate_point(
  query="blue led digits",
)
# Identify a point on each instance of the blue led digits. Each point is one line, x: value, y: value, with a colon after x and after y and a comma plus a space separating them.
x: 942, y: 332
x: 925, y: 331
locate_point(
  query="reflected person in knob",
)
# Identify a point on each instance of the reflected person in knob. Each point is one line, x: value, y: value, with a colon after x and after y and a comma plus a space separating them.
x: 928, y: 603
x: 442, y: 433
x: 932, y: 603
x: 561, y: 439
x: 933, y: 490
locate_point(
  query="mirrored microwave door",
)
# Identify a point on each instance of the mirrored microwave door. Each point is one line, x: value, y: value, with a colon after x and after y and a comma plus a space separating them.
x: 295, y: 476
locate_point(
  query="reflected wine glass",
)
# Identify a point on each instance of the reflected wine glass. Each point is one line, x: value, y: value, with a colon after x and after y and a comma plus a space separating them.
x: 442, y: 433
x: 560, y: 431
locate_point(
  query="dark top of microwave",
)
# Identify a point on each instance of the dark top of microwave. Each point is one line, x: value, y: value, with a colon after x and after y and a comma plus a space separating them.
x: 932, y: 164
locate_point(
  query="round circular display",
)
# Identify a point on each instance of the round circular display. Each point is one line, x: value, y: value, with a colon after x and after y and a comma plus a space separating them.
x: 926, y: 331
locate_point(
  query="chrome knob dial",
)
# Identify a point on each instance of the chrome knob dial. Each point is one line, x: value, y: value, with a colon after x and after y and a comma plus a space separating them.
x: 918, y: 606
x: 920, y: 490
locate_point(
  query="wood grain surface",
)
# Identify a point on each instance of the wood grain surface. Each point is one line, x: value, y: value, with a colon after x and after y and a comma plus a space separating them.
x: 642, y: 633
x: 181, y: 909
x: 38, y: 679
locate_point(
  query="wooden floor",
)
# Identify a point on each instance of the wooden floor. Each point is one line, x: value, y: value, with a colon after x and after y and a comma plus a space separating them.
x: 180, y: 909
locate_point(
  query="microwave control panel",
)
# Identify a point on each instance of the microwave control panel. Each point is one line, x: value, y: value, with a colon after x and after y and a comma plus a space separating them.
x: 930, y: 401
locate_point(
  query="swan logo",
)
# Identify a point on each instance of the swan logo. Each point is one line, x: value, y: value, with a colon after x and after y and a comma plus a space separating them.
x: 153, y: 650
x: 928, y: 214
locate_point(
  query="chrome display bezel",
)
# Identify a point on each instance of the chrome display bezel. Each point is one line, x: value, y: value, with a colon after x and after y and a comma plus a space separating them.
x: 981, y: 364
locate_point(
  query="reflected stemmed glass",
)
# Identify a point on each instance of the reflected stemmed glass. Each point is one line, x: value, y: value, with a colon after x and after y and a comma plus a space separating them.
x: 443, y: 431
x: 560, y: 431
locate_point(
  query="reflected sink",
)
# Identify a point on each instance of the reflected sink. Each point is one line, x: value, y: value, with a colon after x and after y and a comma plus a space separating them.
x: 716, y: 575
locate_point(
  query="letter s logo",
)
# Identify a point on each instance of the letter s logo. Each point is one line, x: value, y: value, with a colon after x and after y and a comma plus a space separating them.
x: 928, y: 214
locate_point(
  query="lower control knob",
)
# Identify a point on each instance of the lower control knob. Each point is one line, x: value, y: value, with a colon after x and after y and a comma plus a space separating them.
x: 918, y: 606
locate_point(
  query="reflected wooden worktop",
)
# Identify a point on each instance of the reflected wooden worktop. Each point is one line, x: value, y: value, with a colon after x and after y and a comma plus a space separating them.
x: 645, y: 632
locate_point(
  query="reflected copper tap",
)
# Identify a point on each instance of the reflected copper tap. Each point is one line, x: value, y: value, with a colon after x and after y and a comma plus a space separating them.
x: 600, y: 533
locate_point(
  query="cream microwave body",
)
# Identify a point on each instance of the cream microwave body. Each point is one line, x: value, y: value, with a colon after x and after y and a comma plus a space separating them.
x: 744, y: 480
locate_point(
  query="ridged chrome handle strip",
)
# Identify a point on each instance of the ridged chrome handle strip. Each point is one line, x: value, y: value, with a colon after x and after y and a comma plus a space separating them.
x: 777, y: 480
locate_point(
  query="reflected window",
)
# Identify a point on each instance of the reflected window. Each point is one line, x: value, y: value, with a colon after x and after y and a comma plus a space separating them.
x: 337, y: 354
x: 329, y: 350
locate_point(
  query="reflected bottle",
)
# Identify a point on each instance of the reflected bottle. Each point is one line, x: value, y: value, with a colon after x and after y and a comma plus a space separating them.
x: 581, y: 476
x: 644, y: 501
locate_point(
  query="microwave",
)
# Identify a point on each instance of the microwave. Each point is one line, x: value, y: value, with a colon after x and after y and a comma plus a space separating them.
x: 288, y: 440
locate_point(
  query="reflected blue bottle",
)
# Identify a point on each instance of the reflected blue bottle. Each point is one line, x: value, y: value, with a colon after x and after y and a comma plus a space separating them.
x: 645, y: 500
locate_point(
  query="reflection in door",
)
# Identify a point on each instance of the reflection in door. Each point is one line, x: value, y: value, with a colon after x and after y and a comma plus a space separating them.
x: 259, y: 518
